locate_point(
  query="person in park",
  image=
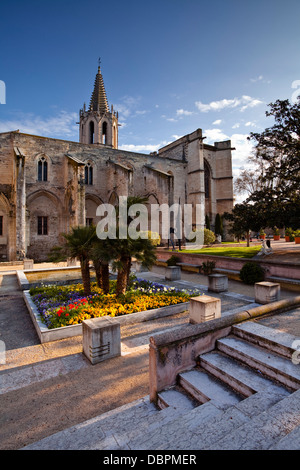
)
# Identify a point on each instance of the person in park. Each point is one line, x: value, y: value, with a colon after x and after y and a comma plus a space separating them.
x: 172, y: 232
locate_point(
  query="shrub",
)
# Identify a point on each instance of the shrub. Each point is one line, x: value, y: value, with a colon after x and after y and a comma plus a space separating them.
x: 173, y: 260
x: 209, y: 237
x: 251, y: 273
x: 206, y: 236
x: 208, y: 267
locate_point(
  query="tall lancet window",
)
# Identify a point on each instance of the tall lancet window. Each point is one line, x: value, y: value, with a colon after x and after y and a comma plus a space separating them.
x: 206, y: 180
x: 104, y: 133
x: 92, y: 132
x: 88, y: 174
x: 42, y: 169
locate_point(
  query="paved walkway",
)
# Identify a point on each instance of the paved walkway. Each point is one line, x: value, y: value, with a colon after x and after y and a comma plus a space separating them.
x: 50, y: 387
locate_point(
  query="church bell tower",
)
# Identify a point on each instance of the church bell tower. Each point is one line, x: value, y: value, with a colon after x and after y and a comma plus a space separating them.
x: 98, y: 125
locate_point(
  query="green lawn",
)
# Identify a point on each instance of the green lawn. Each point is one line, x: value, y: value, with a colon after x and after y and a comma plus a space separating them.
x: 233, y: 252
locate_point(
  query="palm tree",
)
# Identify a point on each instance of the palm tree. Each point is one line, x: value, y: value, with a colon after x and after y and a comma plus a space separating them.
x: 101, y: 255
x: 79, y: 244
x: 124, y: 249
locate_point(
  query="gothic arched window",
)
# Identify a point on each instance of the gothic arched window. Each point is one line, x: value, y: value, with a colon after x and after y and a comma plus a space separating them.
x: 92, y: 130
x: 88, y: 174
x: 104, y: 133
x: 42, y: 169
x: 206, y: 180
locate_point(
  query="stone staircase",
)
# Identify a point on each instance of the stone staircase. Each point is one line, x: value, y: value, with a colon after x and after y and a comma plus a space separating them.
x: 243, y: 395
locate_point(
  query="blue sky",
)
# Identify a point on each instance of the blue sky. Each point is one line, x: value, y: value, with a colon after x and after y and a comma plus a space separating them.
x: 169, y: 66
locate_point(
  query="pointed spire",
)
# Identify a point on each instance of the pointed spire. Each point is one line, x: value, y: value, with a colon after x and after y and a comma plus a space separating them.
x: 98, y: 100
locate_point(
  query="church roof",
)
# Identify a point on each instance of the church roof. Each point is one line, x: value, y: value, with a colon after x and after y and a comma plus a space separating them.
x: 98, y: 100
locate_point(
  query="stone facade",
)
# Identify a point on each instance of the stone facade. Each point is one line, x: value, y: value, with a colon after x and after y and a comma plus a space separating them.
x: 48, y: 185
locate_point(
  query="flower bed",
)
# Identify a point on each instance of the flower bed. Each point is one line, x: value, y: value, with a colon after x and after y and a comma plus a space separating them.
x: 60, y: 306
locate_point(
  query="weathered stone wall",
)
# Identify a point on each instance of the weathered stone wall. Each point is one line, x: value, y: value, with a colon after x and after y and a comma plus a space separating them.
x: 7, y: 198
x: 175, y: 174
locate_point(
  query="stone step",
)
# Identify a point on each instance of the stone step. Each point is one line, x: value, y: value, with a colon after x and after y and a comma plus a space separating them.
x: 204, y: 387
x: 203, y: 426
x: 276, y: 428
x: 275, y: 340
x: 289, y: 442
x: 240, y: 377
x: 140, y: 426
x: 274, y: 366
x: 176, y: 398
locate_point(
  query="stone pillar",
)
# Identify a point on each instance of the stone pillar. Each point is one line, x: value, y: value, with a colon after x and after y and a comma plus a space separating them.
x: 204, y: 308
x: 21, y: 209
x: 266, y: 292
x: 28, y: 264
x: 217, y: 283
x: 101, y: 339
x: 172, y: 273
x: 81, y: 197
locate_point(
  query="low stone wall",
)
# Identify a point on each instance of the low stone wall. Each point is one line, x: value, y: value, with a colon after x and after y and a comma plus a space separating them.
x: 272, y: 268
x: 176, y: 351
x: 57, y: 276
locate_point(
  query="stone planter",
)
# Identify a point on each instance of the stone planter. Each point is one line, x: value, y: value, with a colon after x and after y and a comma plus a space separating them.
x: 172, y: 273
x: 217, y: 283
x: 297, y: 240
x: 266, y: 292
x: 28, y: 263
x: 204, y: 308
x: 287, y: 238
x: 276, y: 237
x: 140, y: 268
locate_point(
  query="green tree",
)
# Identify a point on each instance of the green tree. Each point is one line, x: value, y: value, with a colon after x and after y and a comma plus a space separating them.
x: 244, y: 218
x: 79, y: 244
x: 101, y: 256
x: 218, y: 225
x: 207, y: 222
x: 122, y: 250
x: 277, y: 151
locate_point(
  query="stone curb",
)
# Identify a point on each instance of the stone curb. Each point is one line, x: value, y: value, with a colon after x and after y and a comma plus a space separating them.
x: 47, y: 335
x: 189, y: 332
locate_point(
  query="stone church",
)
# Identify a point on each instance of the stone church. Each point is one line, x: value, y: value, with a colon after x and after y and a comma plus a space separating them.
x: 48, y: 185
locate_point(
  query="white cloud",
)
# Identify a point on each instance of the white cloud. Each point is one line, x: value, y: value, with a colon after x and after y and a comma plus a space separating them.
x: 127, y: 106
x: 243, y: 150
x: 217, y: 122
x: 260, y: 78
x: 62, y: 125
x: 244, y: 102
x: 243, y: 147
x: 250, y: 102
x: 146, y: 148
x: 139, y: 148
x: 236, y: 126
x: 253, y: 80
x: 176, y: 137
x: 214, y: 135
x: 183, y: 112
